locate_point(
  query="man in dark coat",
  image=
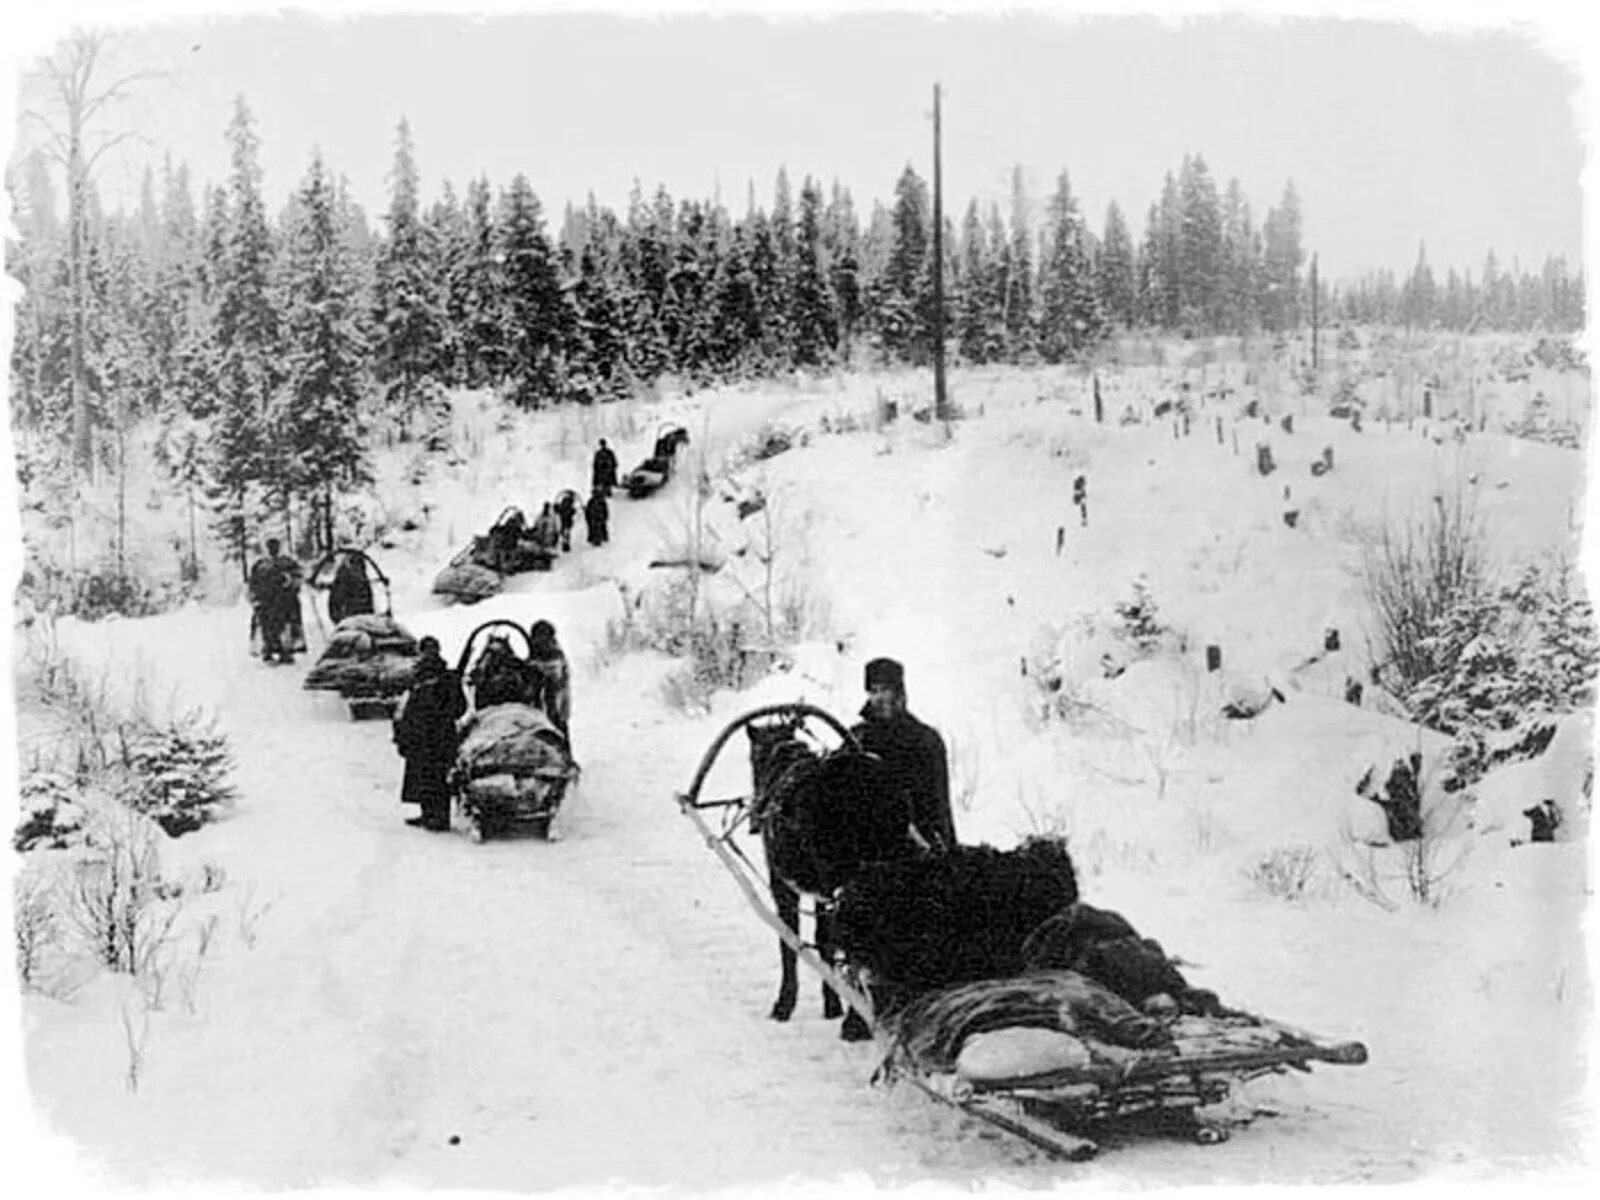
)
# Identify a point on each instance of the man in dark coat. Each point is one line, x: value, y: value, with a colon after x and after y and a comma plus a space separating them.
x: 597, y: 514
x: 425, y: 735
x: 605, y: 469
x: 913, y: 753
x: 274, y: 594
x: 349, y: 594
x: 566, y: 514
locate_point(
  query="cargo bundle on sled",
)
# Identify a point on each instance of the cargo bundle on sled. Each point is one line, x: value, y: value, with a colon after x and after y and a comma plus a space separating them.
x: 512, y: 546
x: 513, y: 766
x: 984, y: 978
x: 369, y: 656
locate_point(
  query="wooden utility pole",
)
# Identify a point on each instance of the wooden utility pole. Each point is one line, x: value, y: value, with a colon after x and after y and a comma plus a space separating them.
x: 941, y: 411
x: 1316, y: 287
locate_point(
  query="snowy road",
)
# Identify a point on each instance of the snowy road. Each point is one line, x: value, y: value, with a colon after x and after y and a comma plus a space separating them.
x: 519, y: 1015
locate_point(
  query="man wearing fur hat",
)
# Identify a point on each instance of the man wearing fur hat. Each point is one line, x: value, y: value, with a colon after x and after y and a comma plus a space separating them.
x: 914, y: 753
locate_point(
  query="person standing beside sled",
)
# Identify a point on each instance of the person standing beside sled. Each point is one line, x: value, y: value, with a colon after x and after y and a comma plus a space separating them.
x: 913, y: 753
x: 425, y: 734
x: 273, y: 581
x: 597, y: 516
x: 552, y: 677
x: 566, y: 514
x: 605, y: 469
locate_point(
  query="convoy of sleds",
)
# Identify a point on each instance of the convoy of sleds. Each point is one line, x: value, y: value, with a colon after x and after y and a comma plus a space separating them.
x: 514, y: 544
x: 1059, y: 1039
x: 513, y: 765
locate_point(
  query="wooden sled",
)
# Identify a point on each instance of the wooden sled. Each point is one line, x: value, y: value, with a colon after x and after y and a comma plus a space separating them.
x: 522, y: 791
x: 1160, y: 1089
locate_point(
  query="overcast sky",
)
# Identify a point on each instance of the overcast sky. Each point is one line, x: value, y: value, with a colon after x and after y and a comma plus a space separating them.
x: 1394, y: 133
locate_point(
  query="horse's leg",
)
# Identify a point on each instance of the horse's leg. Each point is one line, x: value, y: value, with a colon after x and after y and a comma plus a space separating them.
x: 831, y: 1007
x: 788, y: 906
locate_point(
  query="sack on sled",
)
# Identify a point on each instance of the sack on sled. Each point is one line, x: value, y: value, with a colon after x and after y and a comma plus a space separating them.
x: 513, y: 739
x: 368, y: 655
x: 467, y: 582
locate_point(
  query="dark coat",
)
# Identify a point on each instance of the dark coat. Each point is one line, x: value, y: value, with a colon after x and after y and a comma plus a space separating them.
x: 275, y: 595
x: 605, y: 468
x: 425, y: 735
x: 597, y: 515
x: 915, y: 760
x: 349, y: 593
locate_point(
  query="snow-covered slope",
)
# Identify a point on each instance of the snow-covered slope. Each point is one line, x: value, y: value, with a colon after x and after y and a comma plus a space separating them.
x: 386, y: 1006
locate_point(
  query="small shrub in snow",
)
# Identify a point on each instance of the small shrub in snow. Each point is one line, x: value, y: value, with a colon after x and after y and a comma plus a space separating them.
x: 1286, y: 872
x: 1141, y: 619
x: 116, y: 900
x: 1507, y: 660
x: 37, y: 926
x: 177, y: 773
x: 1413, y: 574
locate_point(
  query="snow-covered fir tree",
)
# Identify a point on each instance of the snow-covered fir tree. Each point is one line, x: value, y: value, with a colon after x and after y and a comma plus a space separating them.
x: 318, y: 411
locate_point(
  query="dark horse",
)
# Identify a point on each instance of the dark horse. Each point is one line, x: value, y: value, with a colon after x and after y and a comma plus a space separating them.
x: 821, y: 817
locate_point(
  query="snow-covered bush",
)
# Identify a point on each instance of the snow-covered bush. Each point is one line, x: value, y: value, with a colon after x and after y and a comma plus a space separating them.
x: 1413, y: 573
x: 1286, y: 872
x: 116, y: 900
x: 1507, y: 661
x: 1142, y: 626
x: 177, y: 773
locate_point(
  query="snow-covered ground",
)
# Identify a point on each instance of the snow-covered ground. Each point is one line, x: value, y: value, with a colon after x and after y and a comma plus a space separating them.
x: 387, y: 1007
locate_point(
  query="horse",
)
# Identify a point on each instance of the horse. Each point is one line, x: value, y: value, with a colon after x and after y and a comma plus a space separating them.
x: 822, y: 818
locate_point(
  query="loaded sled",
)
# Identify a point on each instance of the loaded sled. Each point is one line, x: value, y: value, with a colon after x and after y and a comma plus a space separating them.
x: 652, y: 474
x: 513, y: 766
x: 1050, y: 1055
x: 512, y: 546
x: 369, y: 656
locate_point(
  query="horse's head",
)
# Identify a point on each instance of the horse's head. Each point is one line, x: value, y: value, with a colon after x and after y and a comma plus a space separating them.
x: 775, y: 751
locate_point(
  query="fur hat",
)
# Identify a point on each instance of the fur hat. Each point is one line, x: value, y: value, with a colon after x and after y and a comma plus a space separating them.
x: 885, y: 672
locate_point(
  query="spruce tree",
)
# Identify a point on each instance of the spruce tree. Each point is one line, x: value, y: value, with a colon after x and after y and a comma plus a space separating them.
x: 407, y: 305
x: 1017, y: 303
x: 814, y: 321
x: 1114, y: 276
x: 533, y: 300
x: 1069, y: 312
x: 244, y: 461
x: 318, y: 414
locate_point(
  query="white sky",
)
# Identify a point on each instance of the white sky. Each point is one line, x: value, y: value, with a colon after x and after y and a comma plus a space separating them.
x: 1464, y: 135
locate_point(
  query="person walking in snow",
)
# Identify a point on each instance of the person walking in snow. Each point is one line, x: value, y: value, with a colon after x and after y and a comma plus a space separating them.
x: 566, y: 514
x: 349, y: 594
x: 274, y: 595
x: 597, y: 515
x: 1080, y: 498
x: 552, y: 677
x: 605, y: 469
x: 425, y: 735
x: 913, y: 753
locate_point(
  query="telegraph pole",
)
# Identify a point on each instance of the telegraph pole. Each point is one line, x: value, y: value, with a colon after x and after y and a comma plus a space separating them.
x: 941, y: 411
x: 1316, y: 286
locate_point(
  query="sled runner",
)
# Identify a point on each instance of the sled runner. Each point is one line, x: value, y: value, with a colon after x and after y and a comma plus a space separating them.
x: 1049, y: 1056
x: 513, y: 766
x: 512, y: 546
x: 652, y: 474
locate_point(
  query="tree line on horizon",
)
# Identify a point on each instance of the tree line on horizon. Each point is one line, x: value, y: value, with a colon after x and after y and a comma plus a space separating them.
x: 273, y: 341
